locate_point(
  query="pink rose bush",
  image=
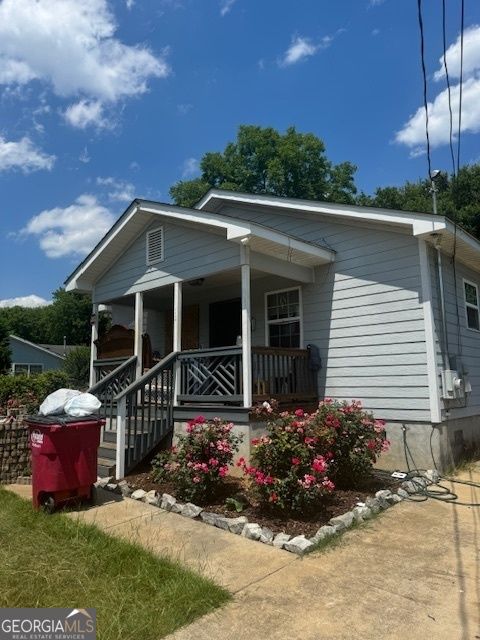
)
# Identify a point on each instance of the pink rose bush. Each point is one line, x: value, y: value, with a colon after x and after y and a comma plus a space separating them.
x: 200, y: 460
x: 305, y: 456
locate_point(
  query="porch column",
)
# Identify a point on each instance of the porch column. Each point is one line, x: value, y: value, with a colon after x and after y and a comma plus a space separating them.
x: 93, y: 346
x: 138, y: 344
x: 246, y: 324
x: 177, y: 333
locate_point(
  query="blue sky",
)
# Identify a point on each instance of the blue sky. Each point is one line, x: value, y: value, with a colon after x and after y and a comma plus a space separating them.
x: 103, y: 101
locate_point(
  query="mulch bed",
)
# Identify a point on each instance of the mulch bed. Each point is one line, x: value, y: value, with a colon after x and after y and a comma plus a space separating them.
x: 341, y: 501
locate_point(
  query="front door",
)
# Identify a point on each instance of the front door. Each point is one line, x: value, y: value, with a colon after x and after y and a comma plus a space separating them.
x: 225, y: 322
x: 190, y: 328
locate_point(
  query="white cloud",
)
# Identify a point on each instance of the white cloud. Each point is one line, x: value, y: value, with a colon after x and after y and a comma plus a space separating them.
x: 23, y: 155
x: 120, y: 191
x: 72, y: 46
x: 85, y: 114
x: 184, y: 108
x: 375, y: 3
x: 190, y: 167
x: 301, y: 48
x: 471, y: 55
x: 84, y: 156
x: 129, y: 4
x: 70, y: 231
x: 226, y: 6
x: 24, y: 301
x: 412, y: 134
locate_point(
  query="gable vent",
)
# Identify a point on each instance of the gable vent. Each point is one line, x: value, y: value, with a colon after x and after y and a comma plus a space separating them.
x: 155, y: 246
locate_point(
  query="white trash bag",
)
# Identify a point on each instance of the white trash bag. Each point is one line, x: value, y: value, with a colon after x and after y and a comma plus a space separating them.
x: 54, y: 404
x: 82, y: 405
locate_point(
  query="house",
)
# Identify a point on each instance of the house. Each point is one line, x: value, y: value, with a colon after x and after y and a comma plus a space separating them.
x: 232, y: 292
x: 30, y: 358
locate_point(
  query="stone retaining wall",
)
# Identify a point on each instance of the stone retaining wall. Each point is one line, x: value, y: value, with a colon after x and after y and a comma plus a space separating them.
x: 14, y: 449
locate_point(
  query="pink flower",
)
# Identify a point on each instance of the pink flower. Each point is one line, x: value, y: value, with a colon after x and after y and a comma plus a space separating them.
x: 296, y: 461
x: 213, y: 462
x: 241, y: 462
x: 319, y: 465
x: 328, y: 484
x: 273, y: 497
x: 223, y: 471
x: 196, y: 479
x: 200, y: 419
x: 299, y: 413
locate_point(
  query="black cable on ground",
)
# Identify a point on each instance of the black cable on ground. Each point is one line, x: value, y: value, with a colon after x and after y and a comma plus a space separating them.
x: 429, y: 488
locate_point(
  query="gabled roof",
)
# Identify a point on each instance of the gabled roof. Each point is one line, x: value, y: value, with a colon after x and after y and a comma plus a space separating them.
x: 140, y: 214
x: 429, y: 226
x: 46, y: 348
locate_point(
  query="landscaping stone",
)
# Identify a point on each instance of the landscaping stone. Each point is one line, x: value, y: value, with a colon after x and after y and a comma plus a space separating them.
x: 410, y: 486
x: 222, y: 522
x: 420, y: 482
x: 235, y: 525
x: 125, y: 488
x: 266, y: 536
x: 113, y: 487
x: 362, y: 513
x: 139, y: 494
x: 373, y: 504
x: 152, y: 498
x: 191, y: 510
x: 299, y: 545
x: 103, y: 482
x: 167, y: 502
x: 324, y: 532
x: 209, y: 518
x: 177, y: 507
x: 252, y: 531
x: 343, y: 522
x: 383, y: 498
x: 401, y: 493
x: 432, y: 475
x: 280, y: 540
x: 395, y: 498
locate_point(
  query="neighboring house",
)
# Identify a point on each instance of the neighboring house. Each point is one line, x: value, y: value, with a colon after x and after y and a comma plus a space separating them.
x: 30, y: 358
x: 245, y: 283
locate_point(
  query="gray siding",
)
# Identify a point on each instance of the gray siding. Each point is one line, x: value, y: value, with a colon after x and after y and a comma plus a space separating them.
x: 189, y: 253
x: 364, y: 313
x: 22, y: 353
x: 463, y: 343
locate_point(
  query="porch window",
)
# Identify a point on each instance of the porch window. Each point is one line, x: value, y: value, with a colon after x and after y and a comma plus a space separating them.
x: 472, y: 305
x: 283, y: 316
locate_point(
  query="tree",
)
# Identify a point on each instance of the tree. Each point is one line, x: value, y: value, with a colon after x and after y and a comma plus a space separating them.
x: 77, y: 367
x: 69, y: 316
x: 458, y: 197
x: 262, y: 160
x: 5, y: 361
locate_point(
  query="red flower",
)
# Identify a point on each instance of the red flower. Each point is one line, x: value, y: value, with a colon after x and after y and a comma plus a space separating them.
x: 296, y: 460
x: 299, y: 412
x: 273, y: 497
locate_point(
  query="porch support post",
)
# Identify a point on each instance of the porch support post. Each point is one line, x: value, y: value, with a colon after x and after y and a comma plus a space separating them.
x: 177, y: 333
x: 93, y: 346
x: 138, y: 345
x: 246, y: 324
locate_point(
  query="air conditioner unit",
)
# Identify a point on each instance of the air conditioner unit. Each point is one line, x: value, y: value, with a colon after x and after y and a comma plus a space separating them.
x: 453, y: 385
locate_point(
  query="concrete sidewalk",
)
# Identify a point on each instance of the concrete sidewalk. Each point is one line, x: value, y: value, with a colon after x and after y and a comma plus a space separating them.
x: 412, y: 573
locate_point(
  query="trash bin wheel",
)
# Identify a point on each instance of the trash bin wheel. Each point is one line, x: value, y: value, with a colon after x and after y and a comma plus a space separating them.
x: 93, y: 497
x: 47, y: 503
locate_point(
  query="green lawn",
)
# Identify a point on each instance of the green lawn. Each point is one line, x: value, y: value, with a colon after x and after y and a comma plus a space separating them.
x: 53, y: 561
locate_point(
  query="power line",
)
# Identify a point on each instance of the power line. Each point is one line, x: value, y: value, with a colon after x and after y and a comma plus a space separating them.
x: 448, y: 84
x: 424, y: 72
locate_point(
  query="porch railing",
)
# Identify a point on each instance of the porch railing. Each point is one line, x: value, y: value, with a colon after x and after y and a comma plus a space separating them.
x: 282, y: 373
x: 103, y: 367
x: 211, y: 375
x: 144, y: 414
x: 110, y: 385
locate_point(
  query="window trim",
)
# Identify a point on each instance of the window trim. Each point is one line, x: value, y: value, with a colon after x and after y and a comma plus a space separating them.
x: 147, y: 239
x: 298, y: 318
x: 470, y: 305
x: 27, y: 364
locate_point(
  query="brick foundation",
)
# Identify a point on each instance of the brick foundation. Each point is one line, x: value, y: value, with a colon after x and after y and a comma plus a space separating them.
x: 14, y: 449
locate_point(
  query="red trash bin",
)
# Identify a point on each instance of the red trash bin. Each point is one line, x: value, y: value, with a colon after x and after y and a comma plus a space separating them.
x: 64, y: 458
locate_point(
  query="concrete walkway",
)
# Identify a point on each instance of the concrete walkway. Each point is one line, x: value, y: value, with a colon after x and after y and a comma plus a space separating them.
x: 412, y: 573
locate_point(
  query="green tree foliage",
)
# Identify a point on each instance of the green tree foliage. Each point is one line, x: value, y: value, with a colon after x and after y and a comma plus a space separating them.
x: 4, y: 348
x: 77, y: 367
x: 262, y: 160
x: 457, y: 197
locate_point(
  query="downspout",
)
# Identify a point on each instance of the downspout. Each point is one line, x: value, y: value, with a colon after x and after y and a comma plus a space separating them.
x: 437, y: 241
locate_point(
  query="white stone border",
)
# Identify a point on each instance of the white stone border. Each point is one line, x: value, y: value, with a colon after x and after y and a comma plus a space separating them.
x: 299, y: 544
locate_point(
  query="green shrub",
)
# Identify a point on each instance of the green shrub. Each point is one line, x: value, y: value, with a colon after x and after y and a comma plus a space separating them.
x: 77, y: 367
x: 29, y: 391
x: 199, y: 462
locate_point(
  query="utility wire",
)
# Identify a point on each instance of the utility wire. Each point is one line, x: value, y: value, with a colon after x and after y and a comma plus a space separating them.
x: 444, y: 29
x: 424, y: 73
